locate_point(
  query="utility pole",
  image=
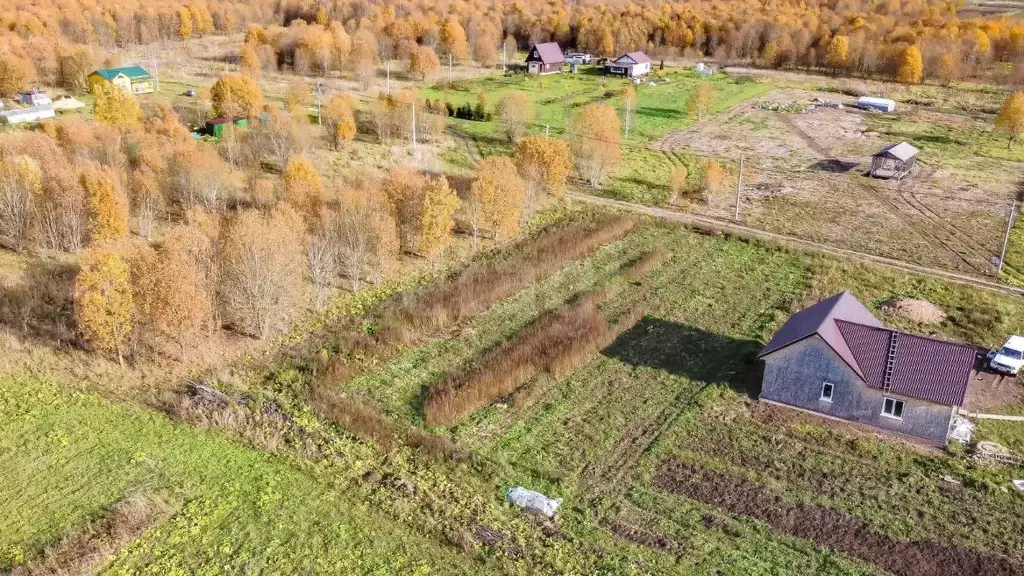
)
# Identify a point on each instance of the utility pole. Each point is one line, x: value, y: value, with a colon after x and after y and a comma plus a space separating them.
x: 319, y: 102
x: 389, y: 77
x: 504, y: 70
x: 414, y: 123
x: 156, y: 73
x: 449, y: 68
x: 739, y: 190
x: 1006, y: 237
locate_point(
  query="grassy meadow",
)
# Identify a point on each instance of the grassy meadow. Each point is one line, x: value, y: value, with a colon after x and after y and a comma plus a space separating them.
x: 273, y: 486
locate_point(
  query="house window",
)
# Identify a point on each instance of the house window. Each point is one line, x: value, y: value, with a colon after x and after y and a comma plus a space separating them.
x: 892, y: 408
x: 826, y: 391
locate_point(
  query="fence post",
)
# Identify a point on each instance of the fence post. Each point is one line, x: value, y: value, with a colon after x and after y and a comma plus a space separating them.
x: 1006, y: 237
x: 739, y: 190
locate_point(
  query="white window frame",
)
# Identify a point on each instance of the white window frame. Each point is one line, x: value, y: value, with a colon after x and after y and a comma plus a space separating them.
x: 903, y: 408
x: 831, y: 391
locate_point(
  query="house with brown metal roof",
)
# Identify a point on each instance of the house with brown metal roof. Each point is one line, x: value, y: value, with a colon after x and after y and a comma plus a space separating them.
x: 630, y: 65
x: 546, y: 58
x: 835, y: 358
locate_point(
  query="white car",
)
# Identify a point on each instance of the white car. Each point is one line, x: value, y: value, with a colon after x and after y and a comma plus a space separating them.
x: 1010, y: 358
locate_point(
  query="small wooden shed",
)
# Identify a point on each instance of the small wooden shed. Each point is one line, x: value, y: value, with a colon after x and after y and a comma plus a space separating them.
x: 216, y: 126
x: 546, y: 58
x: 893, y: 161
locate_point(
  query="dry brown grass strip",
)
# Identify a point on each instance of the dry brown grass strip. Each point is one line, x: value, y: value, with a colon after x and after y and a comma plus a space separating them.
x: 365, y: 420
x: 556, y: 343
x: 645, y: 264
x: 480, y: 287
x: 474, y: 291
x: 84, y: 552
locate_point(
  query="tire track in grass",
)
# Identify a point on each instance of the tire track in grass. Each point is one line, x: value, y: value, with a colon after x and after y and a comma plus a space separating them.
x: 828, y: 527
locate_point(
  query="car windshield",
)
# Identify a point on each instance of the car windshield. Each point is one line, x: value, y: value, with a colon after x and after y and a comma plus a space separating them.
x: 1010, y: 353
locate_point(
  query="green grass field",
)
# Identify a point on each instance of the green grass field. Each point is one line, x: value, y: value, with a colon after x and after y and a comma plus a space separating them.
x: 674, y: 388
x: 68, y: 457
x: 559, y: 97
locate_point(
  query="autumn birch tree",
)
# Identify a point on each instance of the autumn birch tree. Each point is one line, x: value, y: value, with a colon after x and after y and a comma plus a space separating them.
x: 596, y: 144
x: 103, y: 299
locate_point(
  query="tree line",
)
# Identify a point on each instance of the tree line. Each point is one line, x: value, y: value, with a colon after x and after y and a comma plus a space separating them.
x: 51, y: 42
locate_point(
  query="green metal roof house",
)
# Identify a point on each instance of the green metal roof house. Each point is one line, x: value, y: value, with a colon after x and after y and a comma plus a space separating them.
x: 131, y: 79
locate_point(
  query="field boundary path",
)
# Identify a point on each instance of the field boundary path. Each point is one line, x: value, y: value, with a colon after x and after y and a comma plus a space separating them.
x: 723, y: 226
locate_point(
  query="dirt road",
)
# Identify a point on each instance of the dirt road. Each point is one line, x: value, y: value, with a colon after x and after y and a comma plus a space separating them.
x: 726, y: 227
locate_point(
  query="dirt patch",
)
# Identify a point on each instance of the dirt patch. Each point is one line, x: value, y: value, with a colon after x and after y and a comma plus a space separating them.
x: 837, y: 530
x: 920, y: 311
x: 990, y: 393
x: 83, y: 552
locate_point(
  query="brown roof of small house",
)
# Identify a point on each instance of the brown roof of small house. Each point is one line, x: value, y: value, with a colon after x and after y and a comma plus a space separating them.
x: 549, y: 53
x: 819, y: 319
x: 638, y: 57
x: 924, y: 368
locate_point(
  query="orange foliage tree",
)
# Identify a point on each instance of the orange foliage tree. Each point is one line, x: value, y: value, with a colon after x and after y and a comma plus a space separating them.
x: 596, y: 144
x: 108, y: 205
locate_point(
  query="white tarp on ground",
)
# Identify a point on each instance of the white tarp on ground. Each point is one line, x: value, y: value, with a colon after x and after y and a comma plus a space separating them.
x: 533, y: 500
x: 961, y: 430
x: 68, y: 103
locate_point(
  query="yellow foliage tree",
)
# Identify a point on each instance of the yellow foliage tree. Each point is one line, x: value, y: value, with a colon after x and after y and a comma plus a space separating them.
x: 249, y: 60
x: 701, y: 100
x: 837, y: 53
x: 103, y: 299
x: 339, y: 118
x: 236, y: 95
x: 911, y: 66
x: 437, y: 217
x: 108, y: 205
x: 184, y: 23
x: 303, y: 188
x: 117, y: 108
x: 496, y: 198
x: 544, y: 164
x: 1010, y: 119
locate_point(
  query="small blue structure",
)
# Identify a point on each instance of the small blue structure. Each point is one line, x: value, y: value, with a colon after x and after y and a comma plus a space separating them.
x: 879, y: 104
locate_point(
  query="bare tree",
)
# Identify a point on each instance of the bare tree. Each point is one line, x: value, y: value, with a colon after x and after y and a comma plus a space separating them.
x: 322, y: 261
x: 262, y: 270
x: 355, y: 239
x: 20, y: 179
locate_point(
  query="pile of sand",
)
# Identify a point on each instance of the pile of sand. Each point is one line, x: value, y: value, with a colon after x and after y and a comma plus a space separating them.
x: 921, y: 311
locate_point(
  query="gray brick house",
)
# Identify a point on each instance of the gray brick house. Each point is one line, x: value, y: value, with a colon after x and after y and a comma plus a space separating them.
x: 835, y: 358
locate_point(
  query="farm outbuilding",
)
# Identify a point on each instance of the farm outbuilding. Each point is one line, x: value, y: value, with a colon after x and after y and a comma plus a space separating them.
x: 879, y: 104
x: 546, y: 58
x: 630, y: 65
x: 34, y: 98
x: 129, y: 79
x: 29, y: 114
x: 216, y: 126
x: 835, y: 358
x: 893, y: 161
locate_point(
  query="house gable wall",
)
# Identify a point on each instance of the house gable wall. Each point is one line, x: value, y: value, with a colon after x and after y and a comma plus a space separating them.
x: 794, y: 375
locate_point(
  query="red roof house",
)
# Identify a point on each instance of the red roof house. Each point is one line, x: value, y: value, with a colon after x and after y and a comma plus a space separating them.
x: 546, y: 58
x: 837, y: 359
